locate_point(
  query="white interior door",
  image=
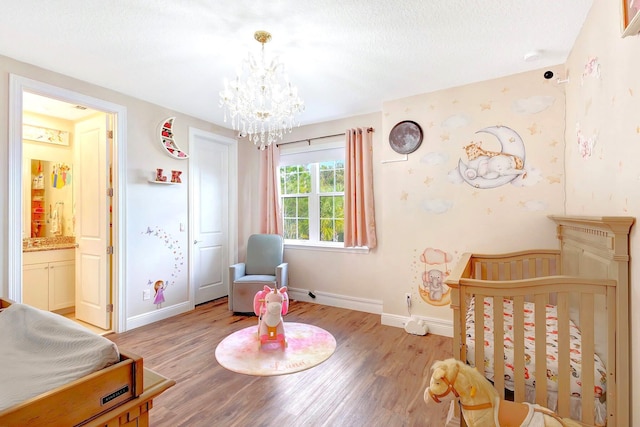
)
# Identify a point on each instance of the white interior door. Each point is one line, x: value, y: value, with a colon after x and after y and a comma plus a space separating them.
x: 93, y: 294
x: 210, y: 189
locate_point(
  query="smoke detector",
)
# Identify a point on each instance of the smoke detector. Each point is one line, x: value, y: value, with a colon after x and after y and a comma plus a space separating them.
x: 533, y: 55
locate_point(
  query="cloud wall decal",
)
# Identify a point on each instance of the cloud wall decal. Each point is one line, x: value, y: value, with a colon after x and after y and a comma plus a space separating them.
x: 437, y: 206
x: 456, y: 121
x: 433, y: 158
x: 532, y: 105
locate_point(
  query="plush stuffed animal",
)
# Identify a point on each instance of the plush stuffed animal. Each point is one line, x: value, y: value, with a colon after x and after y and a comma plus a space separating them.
x: 481, y: 405
x: 270, y: 305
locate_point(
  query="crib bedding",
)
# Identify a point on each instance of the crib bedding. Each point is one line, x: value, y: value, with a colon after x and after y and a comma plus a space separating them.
x: 529, y: 339
x: 41, y: 350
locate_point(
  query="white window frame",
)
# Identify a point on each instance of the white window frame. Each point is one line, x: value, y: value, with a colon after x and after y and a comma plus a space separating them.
x: 296, y: 154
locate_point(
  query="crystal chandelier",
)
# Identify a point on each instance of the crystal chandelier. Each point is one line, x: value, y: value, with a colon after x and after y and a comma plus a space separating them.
x: 261, y: 102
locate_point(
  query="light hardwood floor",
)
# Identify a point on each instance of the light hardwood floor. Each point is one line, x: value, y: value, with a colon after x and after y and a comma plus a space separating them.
x: 376, y: 377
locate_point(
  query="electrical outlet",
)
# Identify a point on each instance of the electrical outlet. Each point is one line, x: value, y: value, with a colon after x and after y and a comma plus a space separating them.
x: 146, y: 294
x: 407, y: 297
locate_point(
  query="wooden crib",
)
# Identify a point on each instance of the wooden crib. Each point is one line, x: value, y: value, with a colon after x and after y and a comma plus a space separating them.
x: 582, y: 288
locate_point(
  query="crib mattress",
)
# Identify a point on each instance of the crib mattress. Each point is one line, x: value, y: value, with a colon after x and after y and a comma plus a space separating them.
x: 40, y: 351
x: 530, y: 355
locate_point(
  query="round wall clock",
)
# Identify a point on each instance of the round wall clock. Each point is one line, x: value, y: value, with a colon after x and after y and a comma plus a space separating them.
x: 405, y: 137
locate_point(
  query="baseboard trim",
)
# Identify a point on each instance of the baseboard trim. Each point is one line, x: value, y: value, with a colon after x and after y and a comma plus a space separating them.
x: 156, y: 315
x: 436, y: 326
x: 335, y: 300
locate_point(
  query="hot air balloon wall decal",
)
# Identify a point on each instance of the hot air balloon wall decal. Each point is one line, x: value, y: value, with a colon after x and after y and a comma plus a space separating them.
x: 167, y: 141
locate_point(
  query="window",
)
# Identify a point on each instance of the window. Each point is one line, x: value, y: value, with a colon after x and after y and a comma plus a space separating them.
x: 312, y: 194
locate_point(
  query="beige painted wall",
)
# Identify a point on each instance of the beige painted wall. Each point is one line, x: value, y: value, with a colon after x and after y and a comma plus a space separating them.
x: 603, y: 138
x: 146, y: 205
x: 429, y: 210
x: 324, y: 272
x: 422, y: 203
x: 248, y: 197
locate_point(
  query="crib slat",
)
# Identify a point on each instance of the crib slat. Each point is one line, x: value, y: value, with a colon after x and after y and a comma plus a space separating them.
x: 479, y: 332
x: 498, y: 350
x: 564, y: 375
x: 612, y: 395
x: 541, y: 349
x: 546, y: 269
x: 532, y: 268
x: 480, y: 270
x: 459, y: 307
x: 519, y: 267
x: 588, y: 343
x: 494, y: 272
x: 518, y: 348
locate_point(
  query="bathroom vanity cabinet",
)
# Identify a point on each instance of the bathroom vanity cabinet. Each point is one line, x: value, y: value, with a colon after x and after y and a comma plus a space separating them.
x: 48, y: 279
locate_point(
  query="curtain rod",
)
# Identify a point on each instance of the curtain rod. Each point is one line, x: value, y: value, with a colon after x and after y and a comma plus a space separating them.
x: 308, y: 140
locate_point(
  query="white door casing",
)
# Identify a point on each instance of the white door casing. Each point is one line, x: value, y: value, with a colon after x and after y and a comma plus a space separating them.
x: 212, y: 193
x: 13, y: 285
x: 93, y: 274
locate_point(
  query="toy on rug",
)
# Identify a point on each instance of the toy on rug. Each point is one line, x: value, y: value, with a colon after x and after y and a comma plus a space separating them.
x: 480, y: 402
x: 270, y: 305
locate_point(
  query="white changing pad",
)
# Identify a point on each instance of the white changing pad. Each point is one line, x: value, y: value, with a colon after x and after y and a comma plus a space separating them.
x: 40, y: 351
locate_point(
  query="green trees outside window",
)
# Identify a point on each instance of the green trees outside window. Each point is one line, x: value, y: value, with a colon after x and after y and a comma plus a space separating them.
x: 313, y: 201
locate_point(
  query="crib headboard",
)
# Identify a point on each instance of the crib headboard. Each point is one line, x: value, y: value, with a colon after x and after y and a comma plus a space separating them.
x: 598, y: 247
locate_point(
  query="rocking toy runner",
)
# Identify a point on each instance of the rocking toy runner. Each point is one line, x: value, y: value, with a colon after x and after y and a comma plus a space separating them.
x: 481, y: 405
x: 270, y: 305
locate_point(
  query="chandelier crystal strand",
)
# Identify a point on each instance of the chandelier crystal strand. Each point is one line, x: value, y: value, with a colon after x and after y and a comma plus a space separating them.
x: 260, y: 101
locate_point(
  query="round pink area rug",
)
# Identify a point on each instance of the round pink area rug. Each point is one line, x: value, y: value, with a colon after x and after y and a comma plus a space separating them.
x: 307, y: 346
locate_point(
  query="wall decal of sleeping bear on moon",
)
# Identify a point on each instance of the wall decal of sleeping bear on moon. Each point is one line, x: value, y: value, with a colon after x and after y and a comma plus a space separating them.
x: 491, y: 169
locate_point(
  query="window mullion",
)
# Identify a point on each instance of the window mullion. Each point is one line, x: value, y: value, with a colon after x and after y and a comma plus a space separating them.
x: 314, y: 205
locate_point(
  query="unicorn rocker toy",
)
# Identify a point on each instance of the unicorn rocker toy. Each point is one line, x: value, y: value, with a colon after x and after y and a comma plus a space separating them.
x: 270, y: 304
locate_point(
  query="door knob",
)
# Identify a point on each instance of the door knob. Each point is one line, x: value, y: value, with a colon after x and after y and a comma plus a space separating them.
x: 195, y: 242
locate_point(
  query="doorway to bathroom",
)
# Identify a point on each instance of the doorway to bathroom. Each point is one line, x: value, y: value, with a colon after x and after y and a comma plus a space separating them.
x: 65, y: 148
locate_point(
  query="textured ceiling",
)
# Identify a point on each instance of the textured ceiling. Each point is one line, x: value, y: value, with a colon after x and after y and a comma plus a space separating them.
x: 346, y: 57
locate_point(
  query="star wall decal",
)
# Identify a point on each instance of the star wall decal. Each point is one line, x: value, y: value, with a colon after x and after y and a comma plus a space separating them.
x: 553, y: 179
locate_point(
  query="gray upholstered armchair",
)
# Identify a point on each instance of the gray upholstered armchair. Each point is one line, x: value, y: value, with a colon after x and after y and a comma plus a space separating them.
x: 264, y: 266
